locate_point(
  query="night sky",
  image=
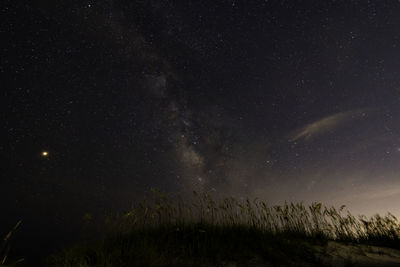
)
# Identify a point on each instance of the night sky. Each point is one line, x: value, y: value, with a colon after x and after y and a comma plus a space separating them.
x: 281, y: 100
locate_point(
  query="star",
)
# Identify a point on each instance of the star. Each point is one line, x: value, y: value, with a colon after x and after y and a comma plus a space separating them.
x: 45, y: 154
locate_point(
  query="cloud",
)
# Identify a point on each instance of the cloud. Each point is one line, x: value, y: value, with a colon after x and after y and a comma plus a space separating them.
x: 379, y: 194
x: 325, y: 124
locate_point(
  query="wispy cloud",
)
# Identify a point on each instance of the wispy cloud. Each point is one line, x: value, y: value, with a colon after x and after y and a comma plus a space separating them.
x: 379, y: 194
x: 325, y: 124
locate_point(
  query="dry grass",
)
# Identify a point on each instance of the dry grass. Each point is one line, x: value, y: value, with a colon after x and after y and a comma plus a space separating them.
x: 163, y: 231
x: 315, y: 220
x: 5, y: 247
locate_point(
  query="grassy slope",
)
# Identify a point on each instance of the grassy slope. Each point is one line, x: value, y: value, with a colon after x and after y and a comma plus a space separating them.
x: 192, y: 245
x: 207, y: 245
x: 228, y: 232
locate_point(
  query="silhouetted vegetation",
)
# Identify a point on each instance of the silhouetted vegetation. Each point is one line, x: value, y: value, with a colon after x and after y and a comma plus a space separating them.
x: 5, y: 247
x: 163, y: 231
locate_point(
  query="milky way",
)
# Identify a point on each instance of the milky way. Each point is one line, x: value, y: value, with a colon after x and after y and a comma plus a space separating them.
x: 281, y: 100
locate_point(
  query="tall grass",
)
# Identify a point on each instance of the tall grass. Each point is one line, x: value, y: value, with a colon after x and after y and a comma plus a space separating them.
x: 5, y: 247
x: 314, y: 220
x: 165, y: 230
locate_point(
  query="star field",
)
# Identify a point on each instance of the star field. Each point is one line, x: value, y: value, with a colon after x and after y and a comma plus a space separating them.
x: 281, y: 100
